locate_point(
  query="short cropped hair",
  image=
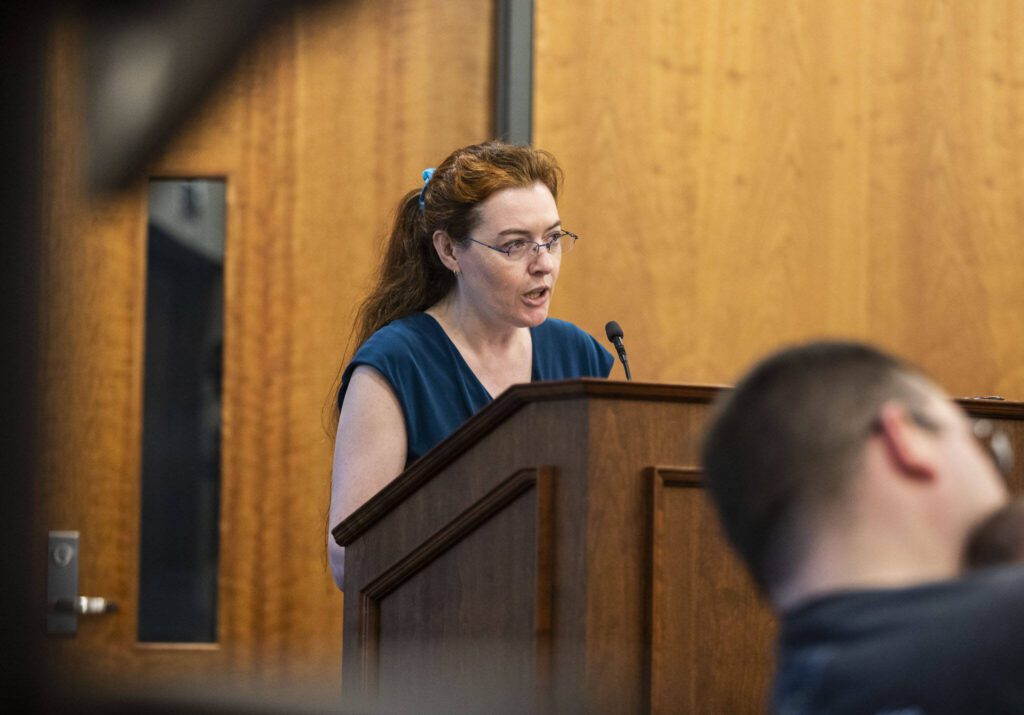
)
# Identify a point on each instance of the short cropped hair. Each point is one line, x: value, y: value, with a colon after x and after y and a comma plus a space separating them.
x: 788, y: 440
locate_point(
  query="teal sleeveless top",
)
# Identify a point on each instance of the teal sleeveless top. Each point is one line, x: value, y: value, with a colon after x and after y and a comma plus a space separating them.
x: 435, y: 387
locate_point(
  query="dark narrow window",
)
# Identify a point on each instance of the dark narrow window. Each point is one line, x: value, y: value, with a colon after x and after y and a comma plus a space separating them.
x: 182, y: 412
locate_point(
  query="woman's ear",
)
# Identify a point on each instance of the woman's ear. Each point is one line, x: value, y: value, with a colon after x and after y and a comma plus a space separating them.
x: 906, y: 442
x: 445, y: 247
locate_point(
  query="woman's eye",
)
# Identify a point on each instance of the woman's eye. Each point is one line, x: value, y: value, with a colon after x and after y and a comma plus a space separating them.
x: 515, y: 246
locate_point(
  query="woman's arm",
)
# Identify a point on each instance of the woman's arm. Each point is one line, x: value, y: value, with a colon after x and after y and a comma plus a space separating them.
x: 369, y: 451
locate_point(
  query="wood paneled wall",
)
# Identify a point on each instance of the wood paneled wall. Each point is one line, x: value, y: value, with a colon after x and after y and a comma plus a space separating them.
x: 325, y: 123
x: 746, y: 174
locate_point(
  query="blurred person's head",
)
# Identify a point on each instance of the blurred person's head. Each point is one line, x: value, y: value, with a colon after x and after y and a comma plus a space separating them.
x: 834, y: 465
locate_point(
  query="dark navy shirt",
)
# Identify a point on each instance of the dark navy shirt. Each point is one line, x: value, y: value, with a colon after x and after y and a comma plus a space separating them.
x: 946, y: 648
x: 435, y: 387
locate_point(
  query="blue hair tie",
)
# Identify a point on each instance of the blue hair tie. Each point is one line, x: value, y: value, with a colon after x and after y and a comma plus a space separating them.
x: 427, y: 173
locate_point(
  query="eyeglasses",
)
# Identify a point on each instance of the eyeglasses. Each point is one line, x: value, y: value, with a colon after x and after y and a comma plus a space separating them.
x: 519, y: 249
x: 992, y: 440
x: 996, y: 444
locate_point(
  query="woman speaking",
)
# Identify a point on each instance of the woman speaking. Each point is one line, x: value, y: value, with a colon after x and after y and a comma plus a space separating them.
x: 459, y: 313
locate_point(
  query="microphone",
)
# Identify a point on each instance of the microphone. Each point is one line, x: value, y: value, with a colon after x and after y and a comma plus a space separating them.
x: 614, y: 333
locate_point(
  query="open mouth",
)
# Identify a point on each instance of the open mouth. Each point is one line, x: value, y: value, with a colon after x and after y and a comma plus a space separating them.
x: 537, y: 293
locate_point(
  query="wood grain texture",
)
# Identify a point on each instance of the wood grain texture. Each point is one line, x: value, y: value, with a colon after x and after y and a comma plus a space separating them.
x: 710, y: 647
x: 749, y: 174
x: 414, y: 612
x: 89, y: 405
x: 321, y: 127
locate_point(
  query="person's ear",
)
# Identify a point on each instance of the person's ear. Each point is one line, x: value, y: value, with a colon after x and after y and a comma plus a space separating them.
x: 907, y: 443
x: 445, y: 247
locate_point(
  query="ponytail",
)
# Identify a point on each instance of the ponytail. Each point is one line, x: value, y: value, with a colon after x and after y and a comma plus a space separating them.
x: 411, y: 278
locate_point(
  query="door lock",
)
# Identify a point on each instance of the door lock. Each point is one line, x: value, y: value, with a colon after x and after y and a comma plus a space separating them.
x: 65, y: 605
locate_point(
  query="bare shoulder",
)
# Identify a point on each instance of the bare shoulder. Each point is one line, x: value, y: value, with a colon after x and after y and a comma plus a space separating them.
x: 370, y: 446
x: 367, y: 386
x: 370, y: 410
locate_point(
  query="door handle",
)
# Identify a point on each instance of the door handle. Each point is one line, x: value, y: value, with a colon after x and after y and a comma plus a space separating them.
x: 62, y: 587
x: 84, y: 606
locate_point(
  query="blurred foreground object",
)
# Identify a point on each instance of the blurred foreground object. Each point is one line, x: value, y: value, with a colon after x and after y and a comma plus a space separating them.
x: 149, y: 65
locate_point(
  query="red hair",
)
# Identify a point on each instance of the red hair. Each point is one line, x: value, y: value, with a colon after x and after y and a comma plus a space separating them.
x: 412, y: 278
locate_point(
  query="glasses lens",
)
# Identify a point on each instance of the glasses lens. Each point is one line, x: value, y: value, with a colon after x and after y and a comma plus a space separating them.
x: 996, y: 444
x: 519, y: 249
x: 562, y: 243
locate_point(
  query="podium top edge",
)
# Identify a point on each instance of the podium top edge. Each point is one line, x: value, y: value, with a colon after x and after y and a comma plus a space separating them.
x: 496, y: 412
x: 518, y: 396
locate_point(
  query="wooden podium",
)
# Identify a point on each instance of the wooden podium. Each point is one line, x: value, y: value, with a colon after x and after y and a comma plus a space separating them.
x: 558, y: 553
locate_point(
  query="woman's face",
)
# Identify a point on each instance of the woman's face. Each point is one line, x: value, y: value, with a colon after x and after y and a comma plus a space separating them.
x: 502, y: 291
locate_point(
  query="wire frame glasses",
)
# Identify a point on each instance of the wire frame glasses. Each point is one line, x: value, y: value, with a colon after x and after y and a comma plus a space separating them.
x: 996, y: 444
x: 520, y: 249
x: 993, y: 441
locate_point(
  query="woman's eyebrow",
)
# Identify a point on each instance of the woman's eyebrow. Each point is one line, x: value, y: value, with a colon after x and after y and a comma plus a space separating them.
x: 524, y: 232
